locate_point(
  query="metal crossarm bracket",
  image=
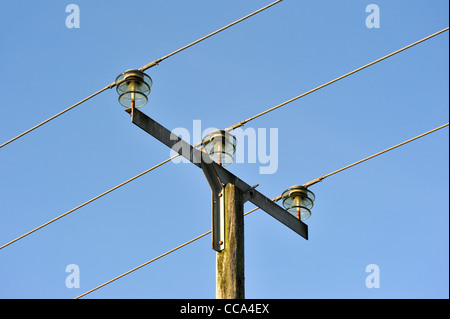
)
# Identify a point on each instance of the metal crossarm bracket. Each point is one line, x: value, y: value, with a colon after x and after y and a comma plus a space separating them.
x: 217, y: 176
x: 198, y: 158
x: 217, y: 206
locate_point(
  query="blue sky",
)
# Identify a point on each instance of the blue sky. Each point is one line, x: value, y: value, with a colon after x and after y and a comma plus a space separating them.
x: 391, y: 211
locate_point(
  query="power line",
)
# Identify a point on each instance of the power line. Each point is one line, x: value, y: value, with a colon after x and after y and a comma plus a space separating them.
x: 335, y: 80
x: 85, y: 203
x: 229, y: 129
x: 207, y: 36
x: 317, y: 180
x: 144, y: 264
x: 58, y: 114
x: 145, y: 67
x: 156, y: 258
x: 256, y: 208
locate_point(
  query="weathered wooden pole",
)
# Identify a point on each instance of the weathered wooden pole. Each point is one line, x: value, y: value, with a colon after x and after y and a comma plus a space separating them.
x: 230, y: 281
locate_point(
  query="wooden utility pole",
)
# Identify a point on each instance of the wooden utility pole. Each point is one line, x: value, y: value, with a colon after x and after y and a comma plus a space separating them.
x: 227, y: 208
x: 230, y: 261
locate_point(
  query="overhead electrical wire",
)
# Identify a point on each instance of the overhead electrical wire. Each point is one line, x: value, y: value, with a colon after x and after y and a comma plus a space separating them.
x: 317, y: 180
x: 256, y: 208
x: 85, y: 203
x: 230, y: 128
x: 335, y: 80
x: 207, y: 36
x: 145, y: 67
x: 154, y: 259
x: 56, y: 115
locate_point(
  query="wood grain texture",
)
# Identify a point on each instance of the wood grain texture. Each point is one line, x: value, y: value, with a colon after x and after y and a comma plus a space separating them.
x: 230, y: 279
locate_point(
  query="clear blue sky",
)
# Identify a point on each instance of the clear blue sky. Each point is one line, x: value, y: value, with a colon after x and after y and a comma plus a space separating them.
x: 392, y: 211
